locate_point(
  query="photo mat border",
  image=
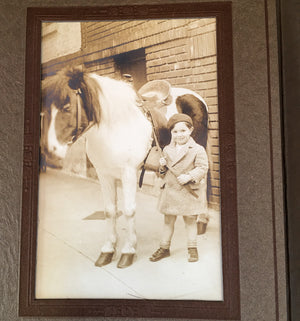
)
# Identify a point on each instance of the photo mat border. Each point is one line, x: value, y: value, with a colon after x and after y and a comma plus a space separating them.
x: 229, y: 308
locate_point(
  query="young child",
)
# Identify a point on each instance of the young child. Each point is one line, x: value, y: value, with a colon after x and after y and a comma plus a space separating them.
x: 184, y: 170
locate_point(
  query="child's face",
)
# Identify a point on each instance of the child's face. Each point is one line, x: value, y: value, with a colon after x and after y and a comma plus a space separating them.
x: 181, y: 133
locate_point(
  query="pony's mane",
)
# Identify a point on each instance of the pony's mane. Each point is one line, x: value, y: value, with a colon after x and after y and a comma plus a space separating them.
x: 116, y: 97
x: 55, y: 89
x: 59, y: 87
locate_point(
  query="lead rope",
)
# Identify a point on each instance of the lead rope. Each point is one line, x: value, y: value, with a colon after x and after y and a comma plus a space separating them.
x: 154, y: 133
x: 78, y: 122
x: 149, y: 116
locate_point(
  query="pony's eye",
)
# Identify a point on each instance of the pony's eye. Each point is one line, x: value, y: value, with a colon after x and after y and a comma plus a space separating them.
x: 66, y: 108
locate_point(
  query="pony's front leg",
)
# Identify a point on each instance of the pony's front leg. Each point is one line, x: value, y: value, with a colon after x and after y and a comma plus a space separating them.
x: 109, y: 192
x: 129, y: 182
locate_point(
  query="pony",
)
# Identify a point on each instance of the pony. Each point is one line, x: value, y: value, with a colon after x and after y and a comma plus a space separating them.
x: 118, y: 137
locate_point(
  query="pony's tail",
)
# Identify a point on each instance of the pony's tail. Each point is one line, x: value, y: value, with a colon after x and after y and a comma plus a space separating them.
x: 197, y: 110
x: 190, y: 105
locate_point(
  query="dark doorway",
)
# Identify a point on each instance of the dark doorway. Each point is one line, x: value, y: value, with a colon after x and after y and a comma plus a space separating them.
x: 132, y: 63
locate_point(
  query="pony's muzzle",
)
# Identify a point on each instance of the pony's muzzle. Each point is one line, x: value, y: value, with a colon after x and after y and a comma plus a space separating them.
x: 58, y: 150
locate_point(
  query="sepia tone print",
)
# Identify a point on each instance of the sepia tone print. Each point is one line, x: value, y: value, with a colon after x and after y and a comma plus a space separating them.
x: 105, y: 86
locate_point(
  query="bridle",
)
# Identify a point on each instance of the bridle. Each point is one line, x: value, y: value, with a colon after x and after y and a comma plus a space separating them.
x: 79, y: 129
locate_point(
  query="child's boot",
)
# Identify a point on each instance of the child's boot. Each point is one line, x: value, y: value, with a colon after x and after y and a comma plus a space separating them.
x: 192, y: 254
x: 159, y: 254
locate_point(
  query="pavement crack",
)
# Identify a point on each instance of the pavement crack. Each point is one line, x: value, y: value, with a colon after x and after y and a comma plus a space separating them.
x: 68, y: 245
x: 136, y: 295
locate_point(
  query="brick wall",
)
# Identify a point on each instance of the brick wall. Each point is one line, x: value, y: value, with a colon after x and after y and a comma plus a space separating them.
x: 104, y: 67
x: 107, y: 38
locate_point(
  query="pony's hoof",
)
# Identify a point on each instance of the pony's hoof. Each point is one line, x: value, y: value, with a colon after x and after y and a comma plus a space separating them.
x: 104, y: 259
x: 126, y: 260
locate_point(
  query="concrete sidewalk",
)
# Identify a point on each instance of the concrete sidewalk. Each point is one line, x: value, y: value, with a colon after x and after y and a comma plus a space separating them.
x: 69, y: 244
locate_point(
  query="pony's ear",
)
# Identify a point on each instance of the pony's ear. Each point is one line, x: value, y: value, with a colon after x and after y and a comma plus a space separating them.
x: 75, y: 76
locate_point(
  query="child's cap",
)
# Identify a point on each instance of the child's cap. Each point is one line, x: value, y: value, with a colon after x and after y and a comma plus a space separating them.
x: 177, y: 118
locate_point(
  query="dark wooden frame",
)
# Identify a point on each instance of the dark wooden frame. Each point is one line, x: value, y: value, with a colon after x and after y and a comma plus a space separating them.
x: 290, y: 79
x: 229, y: 308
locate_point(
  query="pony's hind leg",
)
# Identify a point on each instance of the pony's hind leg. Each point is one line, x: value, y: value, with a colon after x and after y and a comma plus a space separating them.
x: 129, y: 182
x: 109, y: 192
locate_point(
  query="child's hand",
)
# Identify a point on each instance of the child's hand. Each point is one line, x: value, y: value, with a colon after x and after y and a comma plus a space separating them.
x: 184, y: 178
x: 162, y: 161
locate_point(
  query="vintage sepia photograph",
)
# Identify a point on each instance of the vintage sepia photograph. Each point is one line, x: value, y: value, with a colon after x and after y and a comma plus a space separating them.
x: 129, y: 190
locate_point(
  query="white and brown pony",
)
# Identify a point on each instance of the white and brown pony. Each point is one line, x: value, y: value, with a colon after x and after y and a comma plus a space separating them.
x: 118, y: 138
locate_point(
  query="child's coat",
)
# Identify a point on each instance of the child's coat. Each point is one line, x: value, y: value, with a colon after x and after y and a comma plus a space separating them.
x: 175, y: 199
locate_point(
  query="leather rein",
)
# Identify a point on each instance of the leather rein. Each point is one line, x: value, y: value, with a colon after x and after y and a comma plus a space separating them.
x: 79, y: 130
